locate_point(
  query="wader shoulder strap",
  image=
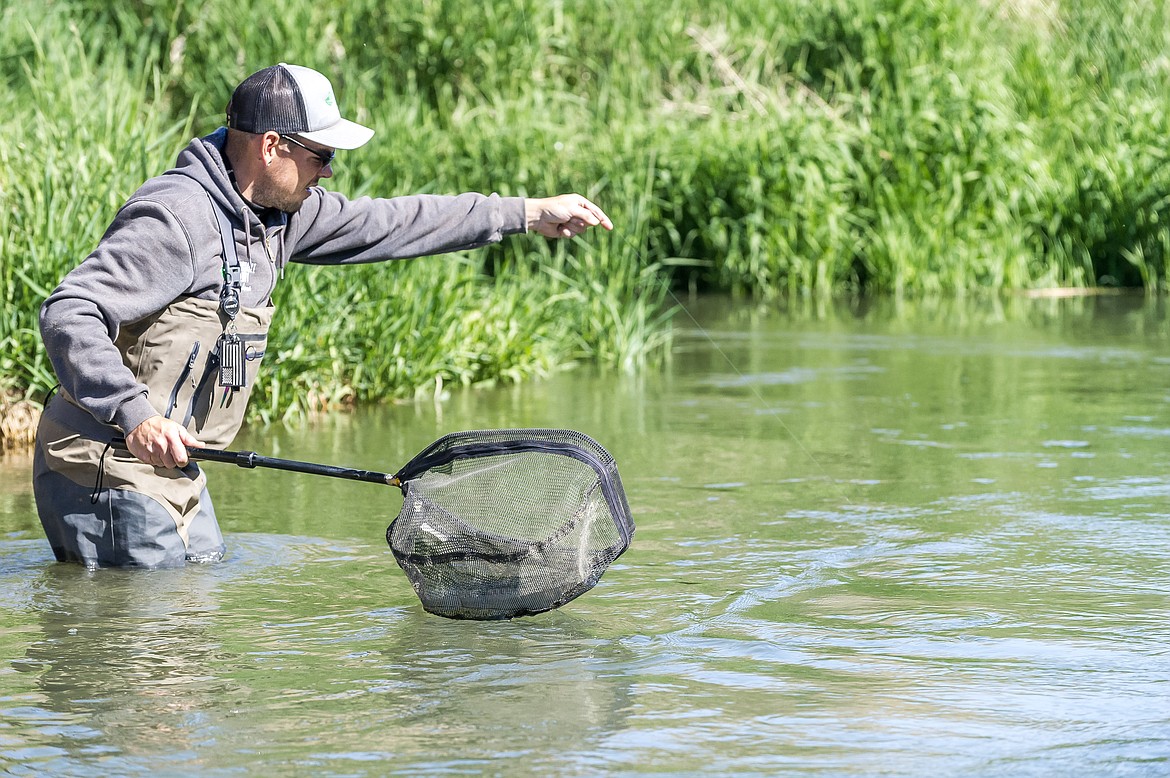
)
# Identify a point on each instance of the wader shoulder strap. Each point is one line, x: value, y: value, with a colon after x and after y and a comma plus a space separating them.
x: 229, y: 296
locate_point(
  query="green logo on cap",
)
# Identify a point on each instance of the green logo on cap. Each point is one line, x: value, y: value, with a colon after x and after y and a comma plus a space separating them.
x: 329, y: 99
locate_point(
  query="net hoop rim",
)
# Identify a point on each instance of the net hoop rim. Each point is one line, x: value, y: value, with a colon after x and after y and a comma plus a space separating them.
x: 440, y: 453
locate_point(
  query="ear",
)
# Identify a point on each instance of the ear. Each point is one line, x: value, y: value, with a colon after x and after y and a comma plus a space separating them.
x: 268, y: 143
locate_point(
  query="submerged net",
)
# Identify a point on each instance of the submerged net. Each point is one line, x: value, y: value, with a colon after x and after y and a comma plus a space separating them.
x: 503, y: 523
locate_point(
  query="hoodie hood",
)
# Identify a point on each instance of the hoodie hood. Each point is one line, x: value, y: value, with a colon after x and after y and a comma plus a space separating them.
x: 203, y: 161
x: 259, y: 241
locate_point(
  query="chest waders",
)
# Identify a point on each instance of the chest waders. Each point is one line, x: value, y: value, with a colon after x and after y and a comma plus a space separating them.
x: 103, y: 507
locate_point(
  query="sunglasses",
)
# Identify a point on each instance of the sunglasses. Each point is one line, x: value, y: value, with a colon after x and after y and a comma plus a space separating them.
x: 324, y: 157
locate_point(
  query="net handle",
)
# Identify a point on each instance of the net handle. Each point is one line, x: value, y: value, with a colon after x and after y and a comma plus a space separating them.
x: 251, y: 460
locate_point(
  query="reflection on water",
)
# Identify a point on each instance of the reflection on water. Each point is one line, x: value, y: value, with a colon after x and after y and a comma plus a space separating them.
x: 871, y: 540
x: 121, y: 671
x: 202, y: 669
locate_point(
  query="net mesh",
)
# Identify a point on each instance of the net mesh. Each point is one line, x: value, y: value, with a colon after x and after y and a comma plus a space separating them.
x: 503, y: 523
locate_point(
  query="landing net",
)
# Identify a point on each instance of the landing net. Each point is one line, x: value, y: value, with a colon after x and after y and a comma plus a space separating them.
x: 503, y: 523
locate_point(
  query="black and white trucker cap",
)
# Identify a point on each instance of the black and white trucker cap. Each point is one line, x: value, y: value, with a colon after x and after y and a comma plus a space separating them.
x: 293, y: 99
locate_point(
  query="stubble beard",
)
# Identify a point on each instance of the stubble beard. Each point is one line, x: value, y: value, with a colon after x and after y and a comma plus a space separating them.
x: 269, y: 193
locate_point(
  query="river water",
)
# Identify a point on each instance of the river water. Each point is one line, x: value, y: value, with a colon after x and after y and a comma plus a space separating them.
x: 911, y: 540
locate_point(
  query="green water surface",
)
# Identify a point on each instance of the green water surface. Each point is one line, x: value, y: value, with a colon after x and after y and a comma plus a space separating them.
x: 884, y: 540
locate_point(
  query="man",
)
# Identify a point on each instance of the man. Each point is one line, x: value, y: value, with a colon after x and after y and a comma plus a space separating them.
x: 158, y: 335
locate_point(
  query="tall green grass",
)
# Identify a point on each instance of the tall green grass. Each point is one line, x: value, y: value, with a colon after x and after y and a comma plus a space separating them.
x: 760, y: 147
x: 72, y: 141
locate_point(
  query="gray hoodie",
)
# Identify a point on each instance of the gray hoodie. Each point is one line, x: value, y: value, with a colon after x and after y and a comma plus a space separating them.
x: 164, y: 244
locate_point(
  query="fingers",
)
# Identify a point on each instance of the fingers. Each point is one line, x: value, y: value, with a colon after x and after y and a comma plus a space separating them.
x: 186, y: 438
x: 160, y: 442
x: 581, y: 215
x: 175, y: 452
x: 164, y: 451
x: 596, y: 215
x: 565, y: 216
x: 572, y: 228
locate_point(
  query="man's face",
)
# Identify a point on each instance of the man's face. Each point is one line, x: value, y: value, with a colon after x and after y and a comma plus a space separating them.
x: 299, y: 164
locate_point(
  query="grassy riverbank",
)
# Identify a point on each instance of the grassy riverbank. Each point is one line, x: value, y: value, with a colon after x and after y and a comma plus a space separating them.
x: 769, y: 147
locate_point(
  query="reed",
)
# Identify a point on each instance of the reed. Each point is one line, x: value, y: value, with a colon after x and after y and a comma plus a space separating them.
x: 768, y: 148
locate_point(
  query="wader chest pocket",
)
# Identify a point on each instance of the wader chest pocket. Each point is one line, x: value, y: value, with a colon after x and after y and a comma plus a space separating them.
x: 201, y: 402
x: 183, y: 376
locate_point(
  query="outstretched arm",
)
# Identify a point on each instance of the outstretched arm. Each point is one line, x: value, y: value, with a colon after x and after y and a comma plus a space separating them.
x: 563, y: 216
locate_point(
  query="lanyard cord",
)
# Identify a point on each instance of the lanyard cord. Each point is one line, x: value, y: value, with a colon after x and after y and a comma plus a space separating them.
x: 101, y: 476
x: 229, y: 296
